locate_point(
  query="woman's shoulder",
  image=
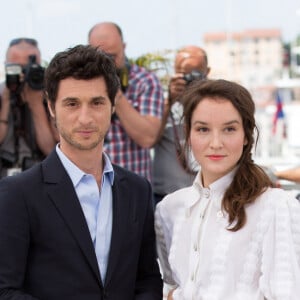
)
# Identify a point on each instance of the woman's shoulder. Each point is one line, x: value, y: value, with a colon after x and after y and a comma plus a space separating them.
x: 281, y: 202
x: 278, y: 196
x: 177, y: 198
x: 175, y: 202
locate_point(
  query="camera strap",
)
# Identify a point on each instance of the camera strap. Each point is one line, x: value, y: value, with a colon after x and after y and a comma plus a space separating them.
x: 176, y: 135
x: 17, y: 122
x: 23, y: 128
x: 30, y: 132
x: 181, y: 156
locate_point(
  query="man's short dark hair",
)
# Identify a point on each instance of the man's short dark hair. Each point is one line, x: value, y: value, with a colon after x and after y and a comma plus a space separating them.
x: 81, y: 62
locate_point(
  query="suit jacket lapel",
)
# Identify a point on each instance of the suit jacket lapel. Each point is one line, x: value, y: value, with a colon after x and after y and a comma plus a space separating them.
x: 60, y: 189
x: 121, y: 209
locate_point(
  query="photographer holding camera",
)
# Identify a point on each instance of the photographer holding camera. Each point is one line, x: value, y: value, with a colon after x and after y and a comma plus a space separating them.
x: 26, y: 132
x: 139, y: 104
x: 169, y: 174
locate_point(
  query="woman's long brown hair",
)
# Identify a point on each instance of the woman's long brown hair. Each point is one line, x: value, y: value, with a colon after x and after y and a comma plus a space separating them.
x: 250, y: 180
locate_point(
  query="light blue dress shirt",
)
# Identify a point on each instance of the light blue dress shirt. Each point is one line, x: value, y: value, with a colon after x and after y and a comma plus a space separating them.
x: 96, y: 205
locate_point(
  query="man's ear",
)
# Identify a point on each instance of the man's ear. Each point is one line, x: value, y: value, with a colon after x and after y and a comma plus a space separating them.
x: 207, y: 71
x: 51, y: 108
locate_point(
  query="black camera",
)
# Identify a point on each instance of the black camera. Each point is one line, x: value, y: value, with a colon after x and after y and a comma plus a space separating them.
x: 123, y: 75
x: 195, y: 74
x: 33, y: 75
x: 13, y: 72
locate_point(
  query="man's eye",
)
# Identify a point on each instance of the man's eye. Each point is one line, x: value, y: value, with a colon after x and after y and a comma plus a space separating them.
x: 71, y: 104
x: 97, y: 102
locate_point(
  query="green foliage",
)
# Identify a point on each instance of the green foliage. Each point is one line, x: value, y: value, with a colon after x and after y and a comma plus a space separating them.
x: 160, y: 62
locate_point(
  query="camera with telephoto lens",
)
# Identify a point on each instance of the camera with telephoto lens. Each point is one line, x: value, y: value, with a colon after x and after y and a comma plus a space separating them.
x: 33, y: 75
x: 195, y: 74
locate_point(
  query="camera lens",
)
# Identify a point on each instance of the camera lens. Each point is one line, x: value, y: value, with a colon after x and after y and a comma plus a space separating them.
x: 34, y: 74
x: 195, y: 74
x: 35, y: 77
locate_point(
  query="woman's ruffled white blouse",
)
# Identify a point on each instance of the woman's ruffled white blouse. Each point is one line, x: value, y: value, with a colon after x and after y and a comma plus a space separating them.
x: 205, y: 261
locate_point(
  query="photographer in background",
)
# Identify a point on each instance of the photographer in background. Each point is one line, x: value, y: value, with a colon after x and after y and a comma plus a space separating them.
x: 139, y: 105
x: 26, y: 132
x: 169, y: 174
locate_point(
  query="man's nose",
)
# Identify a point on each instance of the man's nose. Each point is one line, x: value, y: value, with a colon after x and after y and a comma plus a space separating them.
x: 85, y: 115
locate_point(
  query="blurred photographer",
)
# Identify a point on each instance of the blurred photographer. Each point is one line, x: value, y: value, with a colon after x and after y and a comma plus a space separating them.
x: 26, y: 132
x: 168, y: 172
x: 139, y: 104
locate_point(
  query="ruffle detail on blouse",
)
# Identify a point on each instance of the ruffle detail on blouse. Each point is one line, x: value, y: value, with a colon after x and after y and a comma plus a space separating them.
x: 253, y: 257
x: 280, y: 282
x: 162, y: 248
x: 176, y: 240
x: 295, y: 220
x: 218, y: 267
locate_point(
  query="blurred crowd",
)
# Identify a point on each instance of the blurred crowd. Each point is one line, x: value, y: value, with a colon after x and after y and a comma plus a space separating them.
x: 137, y: 174
x: 146, y: 130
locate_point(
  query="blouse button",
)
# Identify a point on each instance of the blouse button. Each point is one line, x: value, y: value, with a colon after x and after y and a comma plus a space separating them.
x: 195, y: 247
x: 220, y: 214
x: 206, y: 193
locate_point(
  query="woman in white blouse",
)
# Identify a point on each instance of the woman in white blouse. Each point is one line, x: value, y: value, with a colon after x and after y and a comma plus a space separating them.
x: 229, y: 236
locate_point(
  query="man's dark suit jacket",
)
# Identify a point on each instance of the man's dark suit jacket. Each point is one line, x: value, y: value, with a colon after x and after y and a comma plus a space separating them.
x: 46, y: 251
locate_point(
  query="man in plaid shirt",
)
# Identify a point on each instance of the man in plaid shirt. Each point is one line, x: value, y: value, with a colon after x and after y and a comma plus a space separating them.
x: 138, y: 108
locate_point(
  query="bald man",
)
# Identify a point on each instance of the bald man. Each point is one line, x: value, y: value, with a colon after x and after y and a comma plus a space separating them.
x: 26, y: 132
x: 188, y: 61
x: 138, y: 108
x: 168, y: 172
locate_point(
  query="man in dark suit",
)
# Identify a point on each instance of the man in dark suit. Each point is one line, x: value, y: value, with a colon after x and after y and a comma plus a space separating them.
x: 75, y: 226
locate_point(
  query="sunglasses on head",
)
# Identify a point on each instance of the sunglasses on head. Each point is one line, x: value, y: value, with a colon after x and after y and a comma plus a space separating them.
x: 17, y: 41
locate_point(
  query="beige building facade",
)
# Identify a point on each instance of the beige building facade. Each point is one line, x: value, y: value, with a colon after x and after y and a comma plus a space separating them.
x: 251, y: 57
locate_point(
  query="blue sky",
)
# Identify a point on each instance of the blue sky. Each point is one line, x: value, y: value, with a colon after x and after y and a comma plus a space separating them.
x: 147, y: 25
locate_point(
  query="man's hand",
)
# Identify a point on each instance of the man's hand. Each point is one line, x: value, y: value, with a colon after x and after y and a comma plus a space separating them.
x: 119, y: 96
x: 143, y: 129
x: 170, y: 295
x: 5, y: 99
x: 4, y: 113
x: 31, y: 96
x: 176, y: 87
x: 44, y: 130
